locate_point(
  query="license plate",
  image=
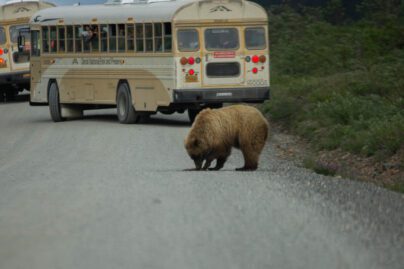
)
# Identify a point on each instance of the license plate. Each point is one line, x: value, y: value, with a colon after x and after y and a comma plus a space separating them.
x: 191, y: 78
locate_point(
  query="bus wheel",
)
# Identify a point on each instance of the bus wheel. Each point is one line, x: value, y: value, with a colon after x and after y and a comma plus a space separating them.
x: 54, y: 104
x: 126, y: 111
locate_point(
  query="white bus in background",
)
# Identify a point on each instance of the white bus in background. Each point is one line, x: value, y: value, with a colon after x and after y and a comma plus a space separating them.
x: 148, y: 56
x: 14, y: 61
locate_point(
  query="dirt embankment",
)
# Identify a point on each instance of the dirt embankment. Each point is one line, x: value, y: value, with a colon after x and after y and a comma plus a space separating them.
x: 388, y: 172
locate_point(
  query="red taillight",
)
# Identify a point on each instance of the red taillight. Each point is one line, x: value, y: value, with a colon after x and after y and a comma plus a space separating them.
x: 255, y: 70
x: 191, y: 60
x: 263, y: 59
x: 1, y: 51
x: 255, y: 59
x: 184, y: 60
x: 191, y: 72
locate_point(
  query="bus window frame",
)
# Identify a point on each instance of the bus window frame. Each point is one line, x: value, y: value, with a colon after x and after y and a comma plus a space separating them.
x: 78, y: 39
x: 188, y: 50
x: 3, y: 34
x: 265, y: 38
x: 223, y: 49
x: 36, y: 50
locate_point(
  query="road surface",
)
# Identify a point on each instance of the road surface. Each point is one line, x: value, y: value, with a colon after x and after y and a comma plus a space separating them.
x: 93, y: 193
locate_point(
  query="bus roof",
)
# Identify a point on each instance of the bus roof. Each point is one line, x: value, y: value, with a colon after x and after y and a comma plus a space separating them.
x: 120, y: 11
x: 17, y: 9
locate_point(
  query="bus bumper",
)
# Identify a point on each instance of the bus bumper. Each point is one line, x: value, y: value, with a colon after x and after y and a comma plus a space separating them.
x: 15, y: 78
x: 222, y: 95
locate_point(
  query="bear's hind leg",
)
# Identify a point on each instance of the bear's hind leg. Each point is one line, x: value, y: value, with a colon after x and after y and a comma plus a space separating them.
x: 250, y: 161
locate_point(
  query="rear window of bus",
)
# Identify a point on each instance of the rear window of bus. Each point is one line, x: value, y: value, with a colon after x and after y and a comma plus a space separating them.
x: 221, y: 39
x: 255, y: 38
x: 188, y: 40
x: 15, y: 31
x: 2, y: 36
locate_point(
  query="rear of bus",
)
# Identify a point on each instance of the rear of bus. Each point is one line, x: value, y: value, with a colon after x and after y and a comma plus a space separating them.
x: 223, y: 56
x: 15, y: 58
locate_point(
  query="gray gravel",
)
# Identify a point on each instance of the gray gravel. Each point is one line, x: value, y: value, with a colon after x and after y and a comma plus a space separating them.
x: 94, y: 193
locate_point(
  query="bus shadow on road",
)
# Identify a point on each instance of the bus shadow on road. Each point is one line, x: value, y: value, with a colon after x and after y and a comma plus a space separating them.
x: 158, y: 121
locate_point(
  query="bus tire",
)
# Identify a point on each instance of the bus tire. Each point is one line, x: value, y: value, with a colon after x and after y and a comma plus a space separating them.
x: 54, y: 103
x: 193, y: 112
x: 125, y: 110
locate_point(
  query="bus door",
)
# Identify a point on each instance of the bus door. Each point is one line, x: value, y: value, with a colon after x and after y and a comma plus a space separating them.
x: 19, y: 53
x: 223, y: 57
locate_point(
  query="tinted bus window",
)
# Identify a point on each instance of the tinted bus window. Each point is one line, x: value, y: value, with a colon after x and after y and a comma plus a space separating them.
x: 112, y: 37
x: 45, y: 39
x: 158, y: 37
x: 221, y: 39
x: 131, y: 37
x: 69, y: 38
x: 35, y: 43
x: 61, y: 38
x: 139, y: 37
x: 255, y: 38
x: 19, y: 30
x: 78, y: 41
x: 148, y: 29
x: 104, y: 37
x: 188, y: 40
x: 95, y: 38
x: 168, y: 38
x: 53, y: 40
x: 121, y: 37
x: 2, y: 36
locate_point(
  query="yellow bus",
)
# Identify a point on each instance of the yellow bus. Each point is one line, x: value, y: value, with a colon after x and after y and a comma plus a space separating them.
x: 14, y: 61
x: 148, y: 56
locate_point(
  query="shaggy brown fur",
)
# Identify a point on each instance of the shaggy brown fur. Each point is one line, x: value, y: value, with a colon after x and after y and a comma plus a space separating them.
x: 216, y: 131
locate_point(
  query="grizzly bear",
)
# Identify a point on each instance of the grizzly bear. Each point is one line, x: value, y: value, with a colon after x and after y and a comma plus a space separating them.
x: 215, y: 131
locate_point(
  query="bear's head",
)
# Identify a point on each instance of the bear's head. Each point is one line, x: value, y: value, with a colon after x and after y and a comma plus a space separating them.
x: 197, y: 149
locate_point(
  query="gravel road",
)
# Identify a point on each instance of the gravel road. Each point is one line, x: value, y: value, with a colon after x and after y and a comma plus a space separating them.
x: 93, y: 193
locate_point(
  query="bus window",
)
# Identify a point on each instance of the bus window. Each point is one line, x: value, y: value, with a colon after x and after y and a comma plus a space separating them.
x: 2, y: 36
x: 104, y: 37
x: 148, y: 29
x: 45, y: 39
x: 95, y: 38
x: 53, y: 45
x: 61, y: 39
x: 69, y: 38
x: 188, y: 40
x: 78, y: 41
x: 86, y: 35
x: 131, y: 37
x: 121, y: 37
x: 112, y: 37
x: 221, y: 39
x: 158, y: 37
x: 139, y: 37
x: 35, y: 43
x: 167, y: 37
x: 255, y: 38
x: 15, y: 31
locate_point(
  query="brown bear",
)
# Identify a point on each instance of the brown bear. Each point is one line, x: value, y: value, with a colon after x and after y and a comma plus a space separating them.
x: 215, y: 131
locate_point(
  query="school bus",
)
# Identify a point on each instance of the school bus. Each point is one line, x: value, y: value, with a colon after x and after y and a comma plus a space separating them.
x: 14, y: 61
x: 148, y: 56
